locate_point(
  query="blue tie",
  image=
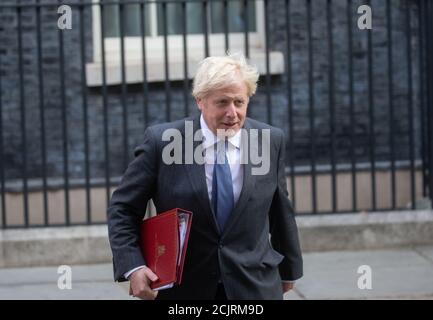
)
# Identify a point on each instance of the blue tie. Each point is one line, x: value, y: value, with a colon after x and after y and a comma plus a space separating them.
x: 222, y: 187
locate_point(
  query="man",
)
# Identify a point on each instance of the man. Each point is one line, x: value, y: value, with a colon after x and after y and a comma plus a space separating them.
x: 243, y: 242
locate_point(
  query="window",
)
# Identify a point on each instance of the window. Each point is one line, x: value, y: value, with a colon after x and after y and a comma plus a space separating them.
x: 154, y: 23
x: 153, y: 13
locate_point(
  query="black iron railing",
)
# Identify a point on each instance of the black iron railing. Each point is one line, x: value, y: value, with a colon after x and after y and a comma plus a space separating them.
x: 48, y: 67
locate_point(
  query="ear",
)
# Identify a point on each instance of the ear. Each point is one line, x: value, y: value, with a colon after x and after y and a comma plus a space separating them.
x: 200, y: 103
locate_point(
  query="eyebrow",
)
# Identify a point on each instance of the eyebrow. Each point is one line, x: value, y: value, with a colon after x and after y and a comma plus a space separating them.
x: 230, y: 98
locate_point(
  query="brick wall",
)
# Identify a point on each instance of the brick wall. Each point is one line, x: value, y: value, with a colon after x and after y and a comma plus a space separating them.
x: 10, y: 95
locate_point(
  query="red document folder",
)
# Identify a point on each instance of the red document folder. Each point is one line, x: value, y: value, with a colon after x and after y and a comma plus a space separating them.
x: 163, y: 240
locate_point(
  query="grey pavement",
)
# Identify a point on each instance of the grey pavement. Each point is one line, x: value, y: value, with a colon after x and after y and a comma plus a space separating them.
x: 401, y: 273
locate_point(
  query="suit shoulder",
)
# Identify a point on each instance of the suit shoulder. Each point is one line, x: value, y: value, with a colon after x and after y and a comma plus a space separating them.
x: 154, y: 133
x: 158, y: 129
x: 276, y: 132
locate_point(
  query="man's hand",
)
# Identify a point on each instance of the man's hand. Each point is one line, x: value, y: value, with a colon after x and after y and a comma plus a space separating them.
x: 139, y: 284
x: 287, y: 286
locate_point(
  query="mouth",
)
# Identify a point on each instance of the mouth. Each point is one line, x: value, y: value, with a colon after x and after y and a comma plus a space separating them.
x: 230, y: 124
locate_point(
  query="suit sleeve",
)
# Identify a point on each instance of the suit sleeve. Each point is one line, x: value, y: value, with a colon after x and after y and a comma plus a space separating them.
x: 128, y: 206
x: 284, y: 231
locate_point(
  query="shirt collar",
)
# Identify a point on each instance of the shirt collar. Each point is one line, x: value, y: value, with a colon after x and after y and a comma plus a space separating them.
x: 209, y: 138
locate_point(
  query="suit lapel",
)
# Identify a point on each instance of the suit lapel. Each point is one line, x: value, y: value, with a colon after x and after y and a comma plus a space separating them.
x: 197, y: 175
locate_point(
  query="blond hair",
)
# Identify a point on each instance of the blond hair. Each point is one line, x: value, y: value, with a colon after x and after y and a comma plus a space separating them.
x: 220, y: 72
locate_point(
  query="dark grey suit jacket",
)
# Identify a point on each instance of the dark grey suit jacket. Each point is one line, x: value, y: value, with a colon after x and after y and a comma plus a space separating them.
x: 248, y: 262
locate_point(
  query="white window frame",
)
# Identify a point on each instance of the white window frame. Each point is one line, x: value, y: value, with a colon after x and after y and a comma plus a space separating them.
x: 155, y: 51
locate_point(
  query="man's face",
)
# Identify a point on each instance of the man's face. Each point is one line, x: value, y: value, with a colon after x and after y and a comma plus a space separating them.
x: 225, y: 108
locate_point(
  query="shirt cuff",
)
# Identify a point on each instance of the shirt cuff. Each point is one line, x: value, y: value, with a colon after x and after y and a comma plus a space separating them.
x: 290, y: 281
x: 127, y: 274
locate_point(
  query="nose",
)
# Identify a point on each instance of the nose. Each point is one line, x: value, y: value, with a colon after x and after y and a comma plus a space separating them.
x: 231, y: 111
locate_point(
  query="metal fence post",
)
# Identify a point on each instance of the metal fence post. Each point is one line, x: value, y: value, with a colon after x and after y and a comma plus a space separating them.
x: 429, y: 93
